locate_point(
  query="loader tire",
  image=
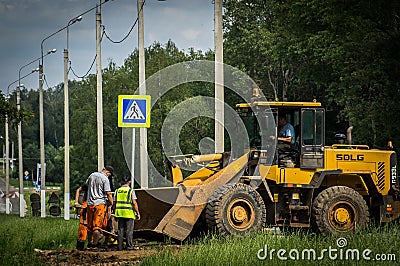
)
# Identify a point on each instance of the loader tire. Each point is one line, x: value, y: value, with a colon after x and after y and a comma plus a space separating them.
x: 235, y: 209
x: 338, y: 210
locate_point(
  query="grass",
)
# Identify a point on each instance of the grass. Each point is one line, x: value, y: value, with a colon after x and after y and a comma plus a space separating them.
x: 20, y: 236
x: 214, y: 250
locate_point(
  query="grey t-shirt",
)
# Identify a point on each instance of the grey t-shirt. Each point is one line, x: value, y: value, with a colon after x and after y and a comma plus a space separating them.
x: 98, y: 185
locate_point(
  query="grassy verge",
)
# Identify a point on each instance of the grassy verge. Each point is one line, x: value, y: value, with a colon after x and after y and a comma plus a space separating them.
x: 20, y: 236
x: 214, y: 250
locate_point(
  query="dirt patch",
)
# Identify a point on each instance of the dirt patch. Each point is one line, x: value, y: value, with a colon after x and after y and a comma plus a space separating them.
x: 106, y: 256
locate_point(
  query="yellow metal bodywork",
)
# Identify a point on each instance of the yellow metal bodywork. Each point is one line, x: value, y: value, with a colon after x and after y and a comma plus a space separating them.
x: 177, y: 216
x: 357, y: 162
x: 199, y: 176
x: 343, y: 165
x: 353, y: 163
x: 287, y: 175
x: 177, y: 175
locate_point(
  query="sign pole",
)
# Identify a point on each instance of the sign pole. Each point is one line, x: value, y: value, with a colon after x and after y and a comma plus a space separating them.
x: 133, y: 158
x: 133, y: 112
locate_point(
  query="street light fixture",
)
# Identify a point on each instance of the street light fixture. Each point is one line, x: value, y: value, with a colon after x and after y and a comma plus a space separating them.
x: 66, y: 124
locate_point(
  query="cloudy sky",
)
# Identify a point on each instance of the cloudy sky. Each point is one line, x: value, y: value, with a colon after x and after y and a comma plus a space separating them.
x: 25, y: 23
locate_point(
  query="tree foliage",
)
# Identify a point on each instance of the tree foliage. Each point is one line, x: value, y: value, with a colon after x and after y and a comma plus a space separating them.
x: 10, y: 111
x: 344, y: 53
x: 121, y: 80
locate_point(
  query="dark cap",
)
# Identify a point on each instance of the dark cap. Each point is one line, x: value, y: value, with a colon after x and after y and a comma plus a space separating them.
x: 126, y: 179
x: 110, y: 169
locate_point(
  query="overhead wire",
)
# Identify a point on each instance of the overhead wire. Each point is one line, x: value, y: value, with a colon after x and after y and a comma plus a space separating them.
x: 130, y: 30
x: 87, y: 73
x: 91, y: 65
x: 45, y: 81
x: 104, y: 33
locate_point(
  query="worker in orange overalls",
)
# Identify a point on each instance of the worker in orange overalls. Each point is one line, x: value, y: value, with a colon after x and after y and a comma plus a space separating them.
x: 81, y: 203
x: 99, y: 197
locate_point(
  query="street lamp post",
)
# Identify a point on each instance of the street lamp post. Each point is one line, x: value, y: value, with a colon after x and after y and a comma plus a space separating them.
x: 7, y: 162
x: 144, y: 183
x: 144, y: 174
x: 4, y: 163
x: 7, y: 143
x: 66, y: 124
x: 99, y: 92
x: 20, y: 159
x: 41, y: 126
x: 41, y: 122
x: 219, y: 78
x: 20, y: 166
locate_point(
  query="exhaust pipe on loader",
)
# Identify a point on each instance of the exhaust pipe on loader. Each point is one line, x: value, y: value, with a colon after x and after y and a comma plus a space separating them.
x: 349, y: 137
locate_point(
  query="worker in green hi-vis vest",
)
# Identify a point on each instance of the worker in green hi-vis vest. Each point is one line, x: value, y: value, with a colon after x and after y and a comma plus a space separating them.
x: 126, y: 210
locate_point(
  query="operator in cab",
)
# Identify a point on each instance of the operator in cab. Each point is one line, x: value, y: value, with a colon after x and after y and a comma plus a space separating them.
x: 286, y: 139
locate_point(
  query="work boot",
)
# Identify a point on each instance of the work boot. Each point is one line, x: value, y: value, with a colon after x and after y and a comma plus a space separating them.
x: 90, y: 246
x: 80, y: 245
x: 97, y: 247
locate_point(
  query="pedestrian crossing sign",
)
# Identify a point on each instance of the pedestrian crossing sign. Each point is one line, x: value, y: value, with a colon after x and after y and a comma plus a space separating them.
x: 134, y: 110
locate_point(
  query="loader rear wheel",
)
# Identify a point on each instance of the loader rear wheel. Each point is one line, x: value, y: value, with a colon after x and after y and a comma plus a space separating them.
x: 236, y: 210
x: 339, y: 209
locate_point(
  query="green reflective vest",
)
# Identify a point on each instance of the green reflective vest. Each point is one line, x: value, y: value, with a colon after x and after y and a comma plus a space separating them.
x: 123, y: 203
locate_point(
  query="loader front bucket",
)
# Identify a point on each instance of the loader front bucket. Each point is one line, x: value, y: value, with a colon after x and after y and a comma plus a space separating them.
x: 174, y: 211
x: 154, y: 204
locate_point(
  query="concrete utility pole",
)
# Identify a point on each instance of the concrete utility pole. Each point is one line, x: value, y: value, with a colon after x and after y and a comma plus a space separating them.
x: 144, y: 179
x: 219, y: 78
x: 66, y: 137
x: 4, y: 163
x: 7, y: 165
x: 100, y: 151
x: 41, y: 140
x: 7, y: 152
x: 66, y: 124
x: 20, y: 159
x: 20, y: 162
x: 41, y: 129
x: 42, y: 162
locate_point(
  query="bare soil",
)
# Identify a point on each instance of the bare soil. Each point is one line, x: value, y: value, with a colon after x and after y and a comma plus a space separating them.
x: 105, y: 256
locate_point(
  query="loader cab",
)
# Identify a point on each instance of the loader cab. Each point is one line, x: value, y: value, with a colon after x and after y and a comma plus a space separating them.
x: 308, y: 121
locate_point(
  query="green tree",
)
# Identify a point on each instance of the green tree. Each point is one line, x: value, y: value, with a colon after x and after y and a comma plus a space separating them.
x: 7, y: 109
x: 344, y: 53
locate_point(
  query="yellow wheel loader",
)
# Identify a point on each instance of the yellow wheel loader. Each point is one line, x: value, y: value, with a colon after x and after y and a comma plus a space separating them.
x: 335, y: 189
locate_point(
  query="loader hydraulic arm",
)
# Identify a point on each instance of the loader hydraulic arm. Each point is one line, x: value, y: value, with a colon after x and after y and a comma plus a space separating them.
x: 209, y: 162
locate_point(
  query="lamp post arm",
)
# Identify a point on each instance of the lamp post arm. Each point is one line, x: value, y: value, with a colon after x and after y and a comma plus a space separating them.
x: 72, y: 21
x: 15, y: 81
x: 33, y: 61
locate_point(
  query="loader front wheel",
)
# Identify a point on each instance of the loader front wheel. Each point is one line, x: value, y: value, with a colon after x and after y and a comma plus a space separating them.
x: 339, y: 209
x: 236, y: 210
